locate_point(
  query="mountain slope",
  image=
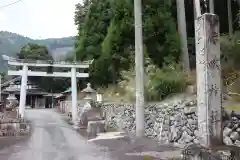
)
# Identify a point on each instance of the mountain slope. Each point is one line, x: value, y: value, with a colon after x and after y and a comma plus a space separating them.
x: 11, y: 43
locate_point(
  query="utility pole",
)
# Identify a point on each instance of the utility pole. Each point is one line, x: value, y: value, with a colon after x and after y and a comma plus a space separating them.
x: 211, y: 6
x: 230, y: 27
x: 139, y: 69
x: 197, y: 8
x: 183, y: 34
x: 0, y: 88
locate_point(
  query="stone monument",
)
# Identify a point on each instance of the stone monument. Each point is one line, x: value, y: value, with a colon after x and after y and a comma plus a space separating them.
x: 209, y: 95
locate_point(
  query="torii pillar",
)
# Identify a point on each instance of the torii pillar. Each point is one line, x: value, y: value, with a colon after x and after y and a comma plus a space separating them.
x: 209, y: 94
x: 23, y: 91
x: 74, y: 97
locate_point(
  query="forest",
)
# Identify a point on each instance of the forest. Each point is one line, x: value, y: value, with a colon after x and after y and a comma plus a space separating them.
x: 106, y: 34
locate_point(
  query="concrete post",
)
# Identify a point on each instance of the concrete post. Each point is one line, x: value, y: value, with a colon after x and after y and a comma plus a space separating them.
x: 183, y: 33
x: 74, y: 95
x: 230, y: 21
x: 211, y: 6
x: 139, y: 68
x: 208, y: 79
x: 23, y: 90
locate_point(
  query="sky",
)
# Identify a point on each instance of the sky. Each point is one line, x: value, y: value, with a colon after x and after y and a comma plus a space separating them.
x: 39, y: 19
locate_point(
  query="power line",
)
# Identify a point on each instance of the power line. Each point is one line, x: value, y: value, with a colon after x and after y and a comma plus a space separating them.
x: 10, y: 4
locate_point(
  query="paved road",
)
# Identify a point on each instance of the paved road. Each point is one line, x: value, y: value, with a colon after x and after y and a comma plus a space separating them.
x: 53, y: 139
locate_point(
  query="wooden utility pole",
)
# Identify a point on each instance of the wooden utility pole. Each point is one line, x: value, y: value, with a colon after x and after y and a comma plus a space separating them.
x: 183, y: 34
x: 139, y: 68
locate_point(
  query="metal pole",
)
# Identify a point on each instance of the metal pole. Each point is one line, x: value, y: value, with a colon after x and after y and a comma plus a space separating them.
x: 139, y: 69
x: 230, y: 27
x: 183, y: 33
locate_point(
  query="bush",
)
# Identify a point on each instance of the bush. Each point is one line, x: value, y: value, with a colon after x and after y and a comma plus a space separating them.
x: 159, y: 83
x: 166, y: 81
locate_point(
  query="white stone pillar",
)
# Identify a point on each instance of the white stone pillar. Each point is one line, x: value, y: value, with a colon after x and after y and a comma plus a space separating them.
x: 208, y: 79
x: 74, y: 95
x: 23, y: 91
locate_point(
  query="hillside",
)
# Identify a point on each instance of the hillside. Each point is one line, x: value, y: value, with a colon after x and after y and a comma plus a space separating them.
x: 11, y: 43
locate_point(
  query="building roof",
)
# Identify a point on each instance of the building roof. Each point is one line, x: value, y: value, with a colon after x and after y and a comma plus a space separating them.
x: 34, y: 90
x: 10, y: 81
x: 67, y: 91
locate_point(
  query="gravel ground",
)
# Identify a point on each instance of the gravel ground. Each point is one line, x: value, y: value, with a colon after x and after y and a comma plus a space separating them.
x: 52, y: 139
x: 131, y: 148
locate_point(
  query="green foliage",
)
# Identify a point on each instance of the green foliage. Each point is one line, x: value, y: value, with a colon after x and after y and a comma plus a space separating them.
x: 106, y: 34
x: 159, y: 83
x: 230, y: 56
x: 34, y: 52
x: 3, y: 76
x: 168, y: 80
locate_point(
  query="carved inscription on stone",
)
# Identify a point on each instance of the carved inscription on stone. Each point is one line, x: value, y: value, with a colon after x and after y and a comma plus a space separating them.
x: 213, y: 91
x: 208, y: 78
x: 214, y: 63
x: 200, y: 37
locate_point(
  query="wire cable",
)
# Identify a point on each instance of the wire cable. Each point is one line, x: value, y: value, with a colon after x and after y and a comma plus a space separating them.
x: 10, y: 4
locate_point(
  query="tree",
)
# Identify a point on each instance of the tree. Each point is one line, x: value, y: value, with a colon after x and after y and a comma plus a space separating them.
x: 106, y: 34
x: 33, y: 51
x: 39, y: 52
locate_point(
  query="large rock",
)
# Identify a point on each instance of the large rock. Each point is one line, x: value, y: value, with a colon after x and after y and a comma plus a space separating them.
x: 234, y: 136
x: 227, y: 141
x: 236, y: 114
x: 227, y: 131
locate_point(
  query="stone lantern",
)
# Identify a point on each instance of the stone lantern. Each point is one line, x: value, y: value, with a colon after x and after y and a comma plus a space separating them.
x: 11, y: 99
x: 87, y: 109
x: 88, y: 92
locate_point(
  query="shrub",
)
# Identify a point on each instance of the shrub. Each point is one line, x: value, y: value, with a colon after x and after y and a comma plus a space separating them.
x: 165, y: 81
x: 159, y: 83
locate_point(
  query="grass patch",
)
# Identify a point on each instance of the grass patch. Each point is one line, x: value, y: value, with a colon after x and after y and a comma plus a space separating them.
x: 235, y: 108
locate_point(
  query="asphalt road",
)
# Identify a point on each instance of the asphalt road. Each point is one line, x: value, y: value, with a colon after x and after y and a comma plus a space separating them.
x: 53, y: 139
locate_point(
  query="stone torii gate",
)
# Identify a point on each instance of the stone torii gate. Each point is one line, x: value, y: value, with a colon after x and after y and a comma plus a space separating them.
x: 25, y: 72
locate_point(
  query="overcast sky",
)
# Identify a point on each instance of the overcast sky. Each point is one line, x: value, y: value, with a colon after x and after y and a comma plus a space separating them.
x: 39, y: 19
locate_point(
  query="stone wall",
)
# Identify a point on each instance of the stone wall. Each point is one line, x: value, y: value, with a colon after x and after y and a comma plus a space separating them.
x: 174, y: 121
